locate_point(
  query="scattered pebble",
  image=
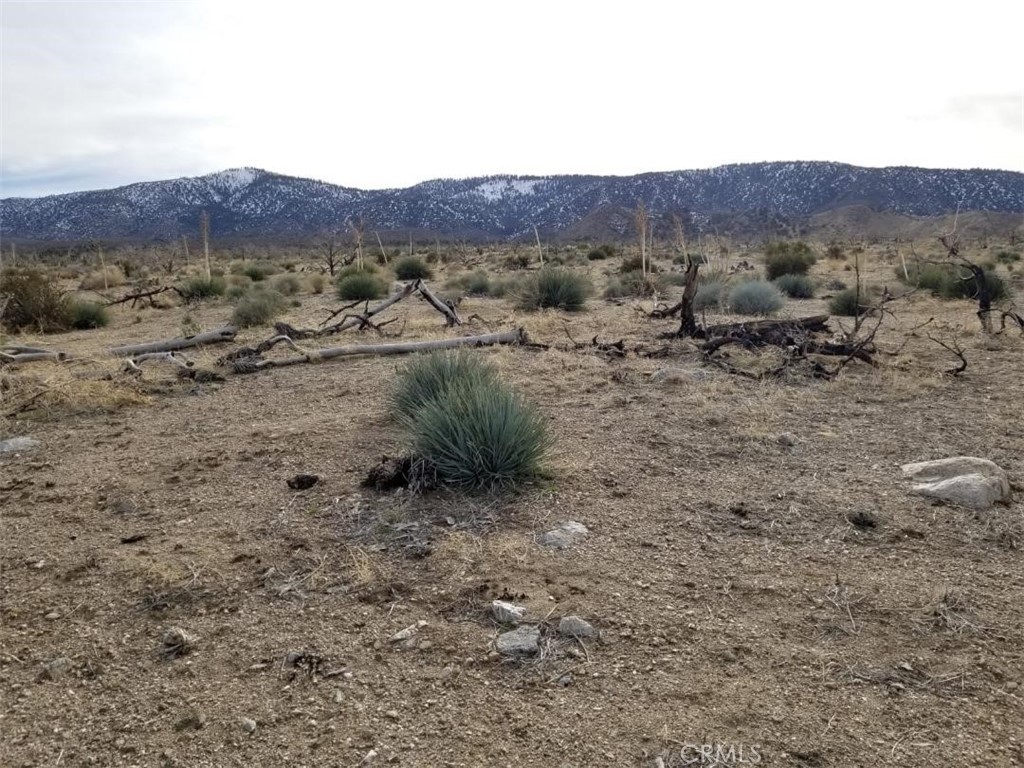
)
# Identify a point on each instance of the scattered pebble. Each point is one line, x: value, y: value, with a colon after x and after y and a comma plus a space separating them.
x: 176, y: 642
x: 565, y: 535
x: 248, y: 725
x: 574, y: 626
x: 507, y: 613
x: 786, y: 440
x: 55, y: 669
x: 407, y: 633
x: 303, y: 482
x: 524, y: 641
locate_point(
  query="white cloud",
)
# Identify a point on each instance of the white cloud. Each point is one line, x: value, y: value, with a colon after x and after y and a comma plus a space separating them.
x: 388, y: 94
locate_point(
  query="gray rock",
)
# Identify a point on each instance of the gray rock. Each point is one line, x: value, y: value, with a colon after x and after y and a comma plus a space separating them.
x: 248, y: 725
x: 574, y: 626
x: 786, y: 440
x: 507, y: 613
x: 15, y: 444
x: 55, y: 669
x: 678, y: 375
x: 565, y: 535
x: 965, y: 480
x: 524, y: 641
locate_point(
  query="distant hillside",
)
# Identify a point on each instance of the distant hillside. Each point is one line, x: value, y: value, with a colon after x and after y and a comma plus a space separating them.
x: 758, y: 198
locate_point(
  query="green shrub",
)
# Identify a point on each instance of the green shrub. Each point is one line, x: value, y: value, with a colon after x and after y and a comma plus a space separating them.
x: 709, y: 295
x: 633, y: 264
x: 517, y: 261
x: 795, y: 286
x: 950, y: 281
x: 425, y: 377
x: 257, y: 271
x: 755, y: 297
x: 412, y: 268
x: 668, y: 279
x: 787, y: 258
x: 88, y: 314
x: 475, y: 283
x: 479, y: 436
x: 834, y: 251
x: 602, y: 252
x: 199, y: 287
x: 33, y: 301
x: 845, y: 304
x: 554, y: 287
x: 287, y: 284
x: 1007, y: 257
x: 257, y: 307
x: 368, y: 268
x: 835, y: 285
x: 360, y: 286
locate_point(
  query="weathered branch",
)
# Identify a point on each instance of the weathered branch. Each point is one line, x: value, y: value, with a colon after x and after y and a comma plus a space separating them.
x: 227, y: 333
x: 445, y: 308
x: 256, y: 363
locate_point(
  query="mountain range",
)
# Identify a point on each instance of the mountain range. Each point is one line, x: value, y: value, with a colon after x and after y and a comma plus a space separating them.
x: 730, y: 199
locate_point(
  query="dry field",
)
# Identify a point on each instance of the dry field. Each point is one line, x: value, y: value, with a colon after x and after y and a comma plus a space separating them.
x: 761, y: 576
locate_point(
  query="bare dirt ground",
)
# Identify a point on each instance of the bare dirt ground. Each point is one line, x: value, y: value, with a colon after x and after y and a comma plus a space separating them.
x: 788, y: 599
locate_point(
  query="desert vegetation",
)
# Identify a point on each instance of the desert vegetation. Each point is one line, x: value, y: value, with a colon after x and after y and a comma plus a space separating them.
x: 303, y: 487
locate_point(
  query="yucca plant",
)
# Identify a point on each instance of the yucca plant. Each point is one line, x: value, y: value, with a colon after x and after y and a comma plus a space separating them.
x: 425, y: 377
x: 479, y: 436
x: 556, y: 288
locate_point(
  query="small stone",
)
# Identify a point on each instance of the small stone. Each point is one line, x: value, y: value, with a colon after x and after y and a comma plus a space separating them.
x: 248, y: 725
x: 564, y: 536
x: 507, y: 613
x: 55, y: 669
x: 404, y: 635
x: 303, y: 482
x: 192, y: 721
x: 15, y: 444
x: 176, y: 642
x: 786, y: 440
x: 339, y: 697
x: 52, y: 616
x: 392, y: 714
x: 965, y: 480
x: 524, y: 641
x: 574, y: 626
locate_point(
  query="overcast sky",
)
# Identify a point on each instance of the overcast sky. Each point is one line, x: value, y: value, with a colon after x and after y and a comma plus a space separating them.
x: 385, y: 94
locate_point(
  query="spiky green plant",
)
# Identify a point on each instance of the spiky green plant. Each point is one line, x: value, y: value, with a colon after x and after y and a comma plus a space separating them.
x: 201, y: 287
x: 88, y: 314
x: 412, y: 268
x: 360, y: 286
x: 795, y: 286
x: 755, y: 297
x: 425, y: 377
x: 555, y: 288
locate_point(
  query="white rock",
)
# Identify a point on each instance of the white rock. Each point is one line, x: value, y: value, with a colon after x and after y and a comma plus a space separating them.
x: 408, y: 632
x: 15, y: 444
x: 965, y: 480
x: 507, y: 613
x: 565, y: 535
x: 248, y: 725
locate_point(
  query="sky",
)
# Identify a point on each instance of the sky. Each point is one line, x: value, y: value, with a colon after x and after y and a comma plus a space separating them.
x: 97, y: 94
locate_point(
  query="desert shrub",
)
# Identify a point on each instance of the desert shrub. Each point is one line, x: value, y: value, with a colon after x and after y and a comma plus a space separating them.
x: 846, y: 303
x: 1007, y: 257
x: 795, y: 286
x: 475, y: 283
x: 425, y: 377
x: 949, y: 281
x: 33, y: 301
x: 787, y: 258
x: 671, y: 279
x: 200, y: 287
x: 629, y: 284
x: 517, y: 261
x: 412, y: 268
x: 684, y: 258
x: 602, y: 252
x: 367, y: 267
x: 633, y: 264
x: 317, y: 283
x: 94, y: 280
x: 835, y: 285
x: 257, y: 271
x: 88, y: 314
x: 360, y: 286
x: 473, y: 432
x: 554, y: 287
x: 709, y: 295
x: 834, y: 251
x: 257, y: 307
x: 287, y: 284
x: 755, y: 297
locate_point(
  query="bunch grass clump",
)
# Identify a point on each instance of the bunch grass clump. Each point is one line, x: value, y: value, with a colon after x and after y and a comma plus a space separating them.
x: 287, y: 284
x: 257, y: 307
x: 554, y: 288
x: 466, y: 425
x: 755, y: 297
x: 200, y: 287
x: 360, y: 286
x: 88, y: 314
x: 99, y: 280
x: 795, y: 286
x: 787, y: 258
x: 950, y: 281
x: 413, y: 268
x: 710, y: 295
x: 257, y: 271
x: 847, y: 303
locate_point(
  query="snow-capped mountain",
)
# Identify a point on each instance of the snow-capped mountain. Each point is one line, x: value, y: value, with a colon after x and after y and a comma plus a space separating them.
x: 252, y: 202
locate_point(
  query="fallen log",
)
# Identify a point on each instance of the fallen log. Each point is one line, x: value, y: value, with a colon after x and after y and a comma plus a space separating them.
x: 257, y: 363
x: 445, y: 308
x: 227, y: 333
x: 814, y: 323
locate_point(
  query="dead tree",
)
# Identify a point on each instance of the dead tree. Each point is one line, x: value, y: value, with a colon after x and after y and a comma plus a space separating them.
x: 983, y: 291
